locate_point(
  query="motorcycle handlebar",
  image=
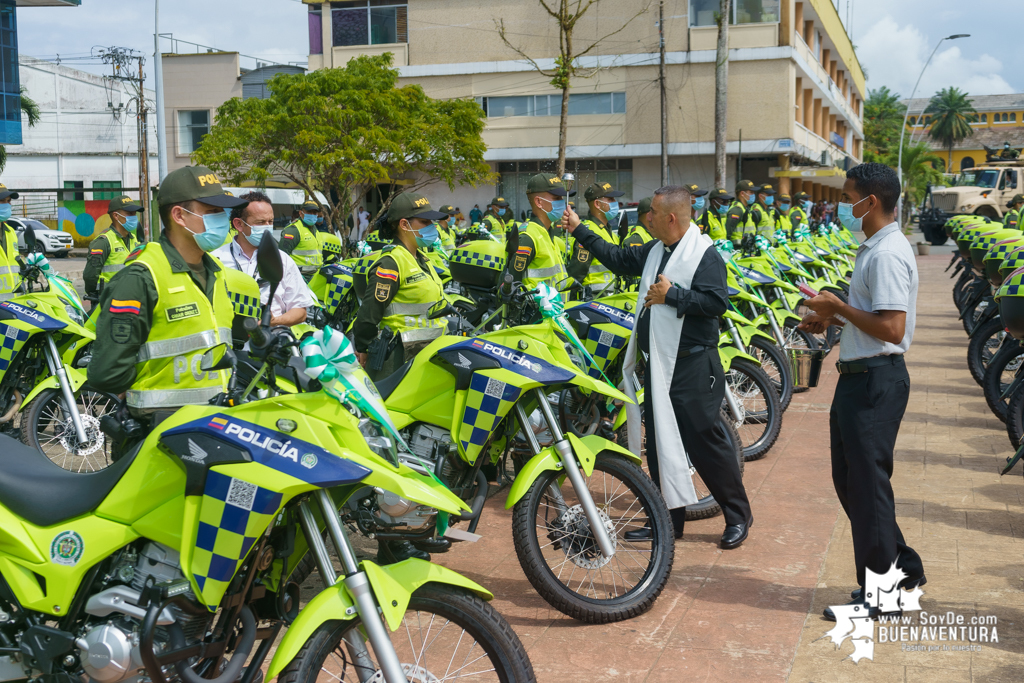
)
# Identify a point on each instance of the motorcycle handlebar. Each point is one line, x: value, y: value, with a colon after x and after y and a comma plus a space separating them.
x: 257, y: 335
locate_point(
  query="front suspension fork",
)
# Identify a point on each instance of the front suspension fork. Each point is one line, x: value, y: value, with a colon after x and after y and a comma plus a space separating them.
x: 56, y: 364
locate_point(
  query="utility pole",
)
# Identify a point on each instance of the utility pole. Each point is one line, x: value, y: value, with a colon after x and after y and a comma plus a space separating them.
x: 161, y: 125
x: 721, y: 90
x: 143, y: 158
x: 664, y: 96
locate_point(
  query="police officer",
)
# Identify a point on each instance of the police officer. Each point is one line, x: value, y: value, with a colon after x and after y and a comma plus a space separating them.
x: 446, y: 228
x: 402, y: 286
x: 713, y: 222
x: 497, y: 217
x: 801, y: 211
x: 738, y: 219
x: 783, y: 221
x: 641, y: 232
x: 301, y: 240
x: 603, y: 221
x: 10, y: 261
x: 169, y: 304
x: 698, y: 202
x: 538, y: 259
x: 1012, y: 218
x: 109, y: 250
x: 763, y: 211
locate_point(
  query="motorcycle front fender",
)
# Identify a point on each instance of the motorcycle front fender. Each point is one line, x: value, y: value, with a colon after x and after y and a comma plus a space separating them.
x: 728, y: 354
x: 393, y: 585
x: 75, y: 376
x: 748, y: 332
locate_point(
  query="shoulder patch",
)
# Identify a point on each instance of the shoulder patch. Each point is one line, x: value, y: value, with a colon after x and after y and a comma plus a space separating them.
x: 387, y: 248
x: 135, y: 253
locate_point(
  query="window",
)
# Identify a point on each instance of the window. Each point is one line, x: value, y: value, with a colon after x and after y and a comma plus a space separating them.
x: 316, y: 31
x: 10, y: 90
x: 551, y: 105
x: 369, y: 22
x: 112, y: 184
x: 966, y: 163
x: 74, y: 196
x: 192, y: 126
x: 702, y: 13
x: 984, y: 118
x: 912, y: 120
x: 1013, y: 117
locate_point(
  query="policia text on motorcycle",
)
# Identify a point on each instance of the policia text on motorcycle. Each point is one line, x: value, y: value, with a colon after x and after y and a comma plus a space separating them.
x: 402, y: 286
x: 10, y: 262
x: 300, y: 241
x: 107, y: 253
x: 169, y: 305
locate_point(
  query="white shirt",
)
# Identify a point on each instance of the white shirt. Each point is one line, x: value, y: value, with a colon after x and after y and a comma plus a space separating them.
x: 884, y: 279
x: 364, y: 220
x: 291, y: 293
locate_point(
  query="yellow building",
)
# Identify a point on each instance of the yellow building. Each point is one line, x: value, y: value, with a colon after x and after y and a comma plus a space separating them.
x: 795, y: 102
x: 1000, y: 121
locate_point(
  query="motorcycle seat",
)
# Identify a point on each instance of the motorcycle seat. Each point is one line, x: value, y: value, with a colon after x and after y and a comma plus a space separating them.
x: 387, y: 385
x: 39, y: 491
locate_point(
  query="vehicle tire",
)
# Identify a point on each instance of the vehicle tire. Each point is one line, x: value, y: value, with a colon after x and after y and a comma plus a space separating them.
x: 972, y: 312
x: 706, y: 506
x: 775, y: 364
x: 762, y: 416
x: 626, y: 498
x: 424, y: 641
x: 936, y: 236
x: 960, y: 286
x: 1015, y: 418
x: 47, y: 427
x: 999, y: 373
x: 983, y: 346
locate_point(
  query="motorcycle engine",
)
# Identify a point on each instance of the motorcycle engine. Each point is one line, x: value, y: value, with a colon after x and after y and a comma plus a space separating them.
x: 110, y: 650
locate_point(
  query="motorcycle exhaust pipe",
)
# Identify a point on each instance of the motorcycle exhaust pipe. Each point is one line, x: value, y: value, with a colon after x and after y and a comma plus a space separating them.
x: 9, y: 415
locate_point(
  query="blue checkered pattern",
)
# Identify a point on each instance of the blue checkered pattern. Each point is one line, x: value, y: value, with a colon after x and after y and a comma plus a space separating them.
x: 484, y: 410
x: 477, y: 259
x: 337, y: 288
x: 246, y: 306
x: 13, y: 340
x: 603, y: 353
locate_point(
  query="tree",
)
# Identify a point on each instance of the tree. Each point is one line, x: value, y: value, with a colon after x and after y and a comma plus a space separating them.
x: 566, y: 14
x: 883, y: 117
x: 951, y: 113
x: 342, y: 131
x: 920, y: 167
x: 721, y: 89
x: 31, y: 111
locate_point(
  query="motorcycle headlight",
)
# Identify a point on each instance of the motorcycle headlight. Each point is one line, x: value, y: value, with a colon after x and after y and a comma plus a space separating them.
x: 76, y: 315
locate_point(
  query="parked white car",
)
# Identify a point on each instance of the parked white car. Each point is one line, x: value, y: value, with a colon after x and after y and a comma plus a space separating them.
x: 53, y: 242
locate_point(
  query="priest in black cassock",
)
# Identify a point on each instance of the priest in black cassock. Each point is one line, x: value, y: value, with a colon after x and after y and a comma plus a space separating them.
x: 682, y: 293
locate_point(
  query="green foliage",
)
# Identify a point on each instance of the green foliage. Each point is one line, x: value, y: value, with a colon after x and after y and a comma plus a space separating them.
x: 951, y: 113
x: 345, y: 130
x: 921, y: 166
x: 883, y: 118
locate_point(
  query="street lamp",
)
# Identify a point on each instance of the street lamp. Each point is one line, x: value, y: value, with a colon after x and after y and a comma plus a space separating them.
x: 899, y: 162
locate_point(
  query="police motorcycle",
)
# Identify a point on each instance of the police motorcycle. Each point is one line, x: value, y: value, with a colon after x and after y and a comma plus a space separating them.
x: 989, y: 334
x: 1008, y: 297
x: 173, y: 562
x: 43, y: 392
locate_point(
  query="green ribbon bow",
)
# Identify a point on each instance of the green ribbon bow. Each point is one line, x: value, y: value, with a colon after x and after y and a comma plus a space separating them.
x: 549, y: 301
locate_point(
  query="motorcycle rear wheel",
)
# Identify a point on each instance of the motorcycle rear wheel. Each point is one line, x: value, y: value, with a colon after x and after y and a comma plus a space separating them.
x: 46, y: 426
x: 775, y: 364
x: 1015, y: 418
x: 560, y: 557
x: 999, y: 374
x: 762, y: 416
x: 983, y: 347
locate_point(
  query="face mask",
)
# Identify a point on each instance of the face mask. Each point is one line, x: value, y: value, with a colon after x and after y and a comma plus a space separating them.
x: 699, y: 203
x: 131, y: 223
x: 256, y: 233
x: 750, y: 199
x: 216, y: 225
x: 427, y: 235
x: 309, y: 219
x: 557, y: 209
x: 502, y: 212
x: 784, y: 207
x: 5, y: 211
x: 845, y: 213
x: 613, y: 212
x: 769, y: 200
x: 807, y: 206
x: 320, y: 220
x: 722, y: 209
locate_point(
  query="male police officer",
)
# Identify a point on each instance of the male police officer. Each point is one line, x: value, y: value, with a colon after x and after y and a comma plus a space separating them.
x: 714, y: 220
x: 738, y: 219
x: 301, y: 241
x: 10, y: 262
x: 698, y: 202
x: 762, y: 213
x: 799, y: 214
x: 109, y: 250
x: 496, y: 218
x: 1012, y: 218
x: 538, y: 259
x: 603, y: 221
x: 446, y: 228
x: 169, y: 305
x: 783, y: 221
x: 640, y: 233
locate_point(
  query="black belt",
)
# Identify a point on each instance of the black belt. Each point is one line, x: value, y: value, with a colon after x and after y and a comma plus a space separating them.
x: 854, y: 367
x: 691, y: 351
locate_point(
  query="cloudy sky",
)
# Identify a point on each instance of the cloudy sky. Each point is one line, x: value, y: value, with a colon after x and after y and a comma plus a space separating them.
x: 893, y: 37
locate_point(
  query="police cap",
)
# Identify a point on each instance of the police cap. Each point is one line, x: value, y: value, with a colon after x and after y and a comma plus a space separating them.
x: 410, y: 205
x: 745, y: 186
x: 719, y: 193
x: 766, y: 189
x: 196, y: 183
x: 546, y: 182
x: 599, y: 190
x: 123, y: 203
x: 5, y: 193
x: 695, y: 190
x: 645, y: 205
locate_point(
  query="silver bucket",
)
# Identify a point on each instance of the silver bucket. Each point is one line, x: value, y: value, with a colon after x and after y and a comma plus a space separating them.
x: 806, y: 365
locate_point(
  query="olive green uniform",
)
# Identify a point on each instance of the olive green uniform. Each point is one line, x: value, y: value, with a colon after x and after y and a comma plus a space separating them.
x: 99, y: 252
x: 576, y: 266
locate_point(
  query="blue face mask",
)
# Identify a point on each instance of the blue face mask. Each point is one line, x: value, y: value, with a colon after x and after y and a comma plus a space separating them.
x: 5, y: 211
x: 808, y: 205
x: 750, y: 199
x: 256, y: 233
x: 502, y: 211
x: 613, y: 212
x: 699, y: 203
x: 844, y: 211
x: 427, y: 235
x: 769, y: 200
x: 722, y: 209
x: 309, y: 219
x: 784, y: 207
x: 320, y: 220
x: 216, y: 225
x: 131, y: 223
x: 557, y: 209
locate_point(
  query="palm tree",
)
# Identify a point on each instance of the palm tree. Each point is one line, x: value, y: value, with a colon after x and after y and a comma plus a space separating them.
x: 951, y: 114
x: 883, y: 118
x: 920, y: 167
x: 31, y: 110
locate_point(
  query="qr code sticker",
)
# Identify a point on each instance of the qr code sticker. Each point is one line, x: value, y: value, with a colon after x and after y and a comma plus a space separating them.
x: 12, y: 332
x: 606, y: 338
x: 495, y: 388
x: 241, y: 494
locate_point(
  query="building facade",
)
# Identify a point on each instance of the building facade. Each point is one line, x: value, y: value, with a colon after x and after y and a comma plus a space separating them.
x: 795, y: 87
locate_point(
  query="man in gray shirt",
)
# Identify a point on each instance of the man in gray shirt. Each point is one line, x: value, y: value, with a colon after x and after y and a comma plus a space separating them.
x: 871, y: 395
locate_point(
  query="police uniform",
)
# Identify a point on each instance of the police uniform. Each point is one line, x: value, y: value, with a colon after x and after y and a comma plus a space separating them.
x: 537, y: 259
x: 738, y: 220
x: 638, y: 234
x: 301, y: 241
x: 402, y: 288
x: 160, y: 314
x: 597, y: 276
x: 762, y: 214
x: 10, y: 261
x: 498, y: 218
x: 798, y: 214
x: 712, y: 222
x: 783, y: 221
x: 1012, y: 218
x: 108, y: 252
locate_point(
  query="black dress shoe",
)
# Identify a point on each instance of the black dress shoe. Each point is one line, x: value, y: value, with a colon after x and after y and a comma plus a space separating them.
x: 735, y: 534
x: 645, y: 534
x: 642, y: 534
x: 906, y: 584
x: 870, y: 611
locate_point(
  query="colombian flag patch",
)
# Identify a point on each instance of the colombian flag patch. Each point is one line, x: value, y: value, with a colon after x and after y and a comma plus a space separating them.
x: 387, y: 274
x: 124, y: 306
x: 218, y: 423
x: 523, y: 250
x: 95, y: 251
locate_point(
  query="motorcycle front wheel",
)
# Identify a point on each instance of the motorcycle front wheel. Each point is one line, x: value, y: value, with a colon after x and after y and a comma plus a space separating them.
x: 46, y: 425
x: 447, y: 634
x: 775, y: 364
x: 560, y: 557
x: 984, y: 344
x: 999, y: 374
x: 761, y: 419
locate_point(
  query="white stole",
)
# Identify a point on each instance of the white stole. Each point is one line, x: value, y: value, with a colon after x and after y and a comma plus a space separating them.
x: 665, y: 328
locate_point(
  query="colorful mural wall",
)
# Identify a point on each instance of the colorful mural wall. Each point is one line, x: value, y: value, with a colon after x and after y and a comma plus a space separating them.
x: 83, y: 219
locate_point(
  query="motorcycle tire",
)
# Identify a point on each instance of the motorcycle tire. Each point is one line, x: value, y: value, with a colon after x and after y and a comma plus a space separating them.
x: 433, y: 611
x: 604, y: 597
x: 971, y: 313
x: 959, y: 286
x: 998, y: 375
x: 762, y: 420
x: 984, y: 344
x: 775, y: 364
x: 46, y: 428
x: 1015, y: 418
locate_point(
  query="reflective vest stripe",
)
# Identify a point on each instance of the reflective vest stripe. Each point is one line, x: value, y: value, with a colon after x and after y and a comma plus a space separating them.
x: 9, y: 269
x: 544, y: 272
x: 168, y: 348
x: 596, y: 267
x: 113, y: 268
x: 407, y: 309
x: 421, y: 334
x: 306, y: 252
x: 169, y: 398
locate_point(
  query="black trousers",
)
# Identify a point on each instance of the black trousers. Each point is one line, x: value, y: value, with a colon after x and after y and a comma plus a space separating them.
x: 864, y: 421
x: 696, y: 392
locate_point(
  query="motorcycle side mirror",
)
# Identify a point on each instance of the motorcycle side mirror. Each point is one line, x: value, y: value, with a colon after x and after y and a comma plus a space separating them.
x: 441, y: 309
x: 271, y: 268
x: 220, y: 357
x: 31, y: 243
